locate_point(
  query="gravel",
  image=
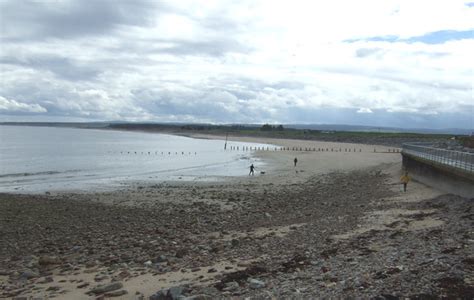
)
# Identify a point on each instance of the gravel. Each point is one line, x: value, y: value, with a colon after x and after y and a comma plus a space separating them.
x: 67, y: 233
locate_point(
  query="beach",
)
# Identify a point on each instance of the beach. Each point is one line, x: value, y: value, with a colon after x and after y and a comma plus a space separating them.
x: 335, y: 225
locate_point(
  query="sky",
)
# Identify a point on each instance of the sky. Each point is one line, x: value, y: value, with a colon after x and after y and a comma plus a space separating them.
x: 368, y: 62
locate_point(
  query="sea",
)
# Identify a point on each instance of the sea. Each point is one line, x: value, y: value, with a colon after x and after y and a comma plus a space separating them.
x: 37, y: 159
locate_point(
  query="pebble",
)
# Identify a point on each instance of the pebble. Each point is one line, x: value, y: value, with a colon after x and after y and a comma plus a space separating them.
x: 29, y: 274
x: 148, y: 263
x: 230, y: 286
x: 83, y: 285
x: 198, y: 297
x: 106, y: 288
x: 116, y: 293
x: 47, y: 279
x: 161, y: 258
x: 256, y: 284
x: 172, y: 293
x: 49, y: 260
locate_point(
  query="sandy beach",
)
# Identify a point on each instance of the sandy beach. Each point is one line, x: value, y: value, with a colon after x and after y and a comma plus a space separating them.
x: 335, y: 225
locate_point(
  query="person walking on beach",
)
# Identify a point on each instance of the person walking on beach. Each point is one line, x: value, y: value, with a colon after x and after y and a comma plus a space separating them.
x: 295, y: 161
x: 252, y: 168
x: 404, y: 180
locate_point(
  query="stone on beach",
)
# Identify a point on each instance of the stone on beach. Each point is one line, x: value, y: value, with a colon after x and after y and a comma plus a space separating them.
x: 104, y: 288
x: 49, y: 260
x: 116, y: 293
x: 29, y: 274
x: 173, y: 293
x: 256, y: 284
x: 198, y: 297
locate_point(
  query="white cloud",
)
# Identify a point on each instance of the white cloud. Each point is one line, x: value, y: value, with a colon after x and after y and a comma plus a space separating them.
x: 10, y: 105
x: 363, y: 110
x: 245, y: 61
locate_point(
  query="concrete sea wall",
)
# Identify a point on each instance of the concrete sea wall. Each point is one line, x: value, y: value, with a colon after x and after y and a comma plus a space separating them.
x: 445, y: 178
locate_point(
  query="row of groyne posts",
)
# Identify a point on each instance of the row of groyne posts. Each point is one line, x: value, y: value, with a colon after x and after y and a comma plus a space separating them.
x: 153, y: 152
x: 257, y: 148
x: 308, y: 149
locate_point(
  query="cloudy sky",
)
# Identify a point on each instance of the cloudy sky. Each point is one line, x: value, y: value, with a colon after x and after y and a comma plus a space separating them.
x: 366, y: 62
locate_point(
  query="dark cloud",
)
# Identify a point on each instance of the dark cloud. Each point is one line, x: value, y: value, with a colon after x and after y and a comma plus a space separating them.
x: 62, y: 67
x: 37, y: 20
x: 216, y: 48
x: 24, y: 21
x: 202, y: 105
x: 221, y: 100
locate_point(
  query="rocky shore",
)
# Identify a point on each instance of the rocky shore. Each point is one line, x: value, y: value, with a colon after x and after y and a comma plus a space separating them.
x: 351, y: 234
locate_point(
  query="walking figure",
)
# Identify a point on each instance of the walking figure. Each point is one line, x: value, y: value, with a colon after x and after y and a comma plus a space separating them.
x: 404, y: 180
x: 295, y: 161
x: 252, y: 168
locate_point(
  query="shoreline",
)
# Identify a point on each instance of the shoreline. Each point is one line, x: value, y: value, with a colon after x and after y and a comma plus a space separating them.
x: 108, y: 168
x: 275, y: 164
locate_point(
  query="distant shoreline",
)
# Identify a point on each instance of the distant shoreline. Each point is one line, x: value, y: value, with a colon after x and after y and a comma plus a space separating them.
x: 232, y: 126
x: 394, y: 139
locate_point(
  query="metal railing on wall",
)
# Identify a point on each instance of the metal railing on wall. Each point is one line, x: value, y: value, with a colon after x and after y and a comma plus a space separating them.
x: 456, y: 159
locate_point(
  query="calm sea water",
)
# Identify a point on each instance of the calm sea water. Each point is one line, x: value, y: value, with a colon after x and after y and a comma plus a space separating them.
x: 38, y: 159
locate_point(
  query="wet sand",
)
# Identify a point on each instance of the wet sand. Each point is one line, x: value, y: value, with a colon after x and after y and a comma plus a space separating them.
x: 336, y: 225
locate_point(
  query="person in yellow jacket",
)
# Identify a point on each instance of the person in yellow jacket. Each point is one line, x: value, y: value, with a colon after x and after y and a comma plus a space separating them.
x: 405, y: 179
